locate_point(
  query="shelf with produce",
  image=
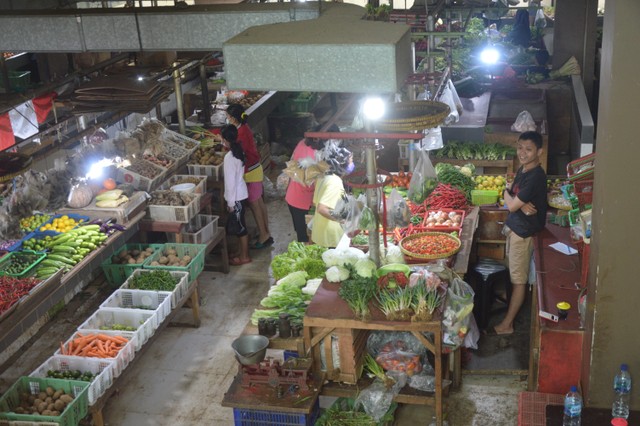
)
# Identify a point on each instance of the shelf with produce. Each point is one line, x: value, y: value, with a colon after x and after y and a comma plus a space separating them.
x: 507, y: 165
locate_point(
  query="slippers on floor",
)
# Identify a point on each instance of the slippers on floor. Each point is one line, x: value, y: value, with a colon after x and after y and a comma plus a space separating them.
x: 492, y: 332
x: 265, y: 244
x: 236, y: 261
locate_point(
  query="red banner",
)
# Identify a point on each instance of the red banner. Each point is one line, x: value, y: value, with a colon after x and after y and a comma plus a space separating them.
x: 7, y: 139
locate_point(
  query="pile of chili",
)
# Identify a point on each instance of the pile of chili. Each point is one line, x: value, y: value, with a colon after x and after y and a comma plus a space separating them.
x: 13, y: 289
x: 432, y: 245
x: 446, y: 196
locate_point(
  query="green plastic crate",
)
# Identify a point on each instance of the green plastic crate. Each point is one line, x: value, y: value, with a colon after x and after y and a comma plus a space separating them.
x: 19, y: 81
x: 35, y: 258
x: 116, y: 273
x: 300, y: 103
x: 195, y: 251
x: 71, y: 416
x: 484, y: 196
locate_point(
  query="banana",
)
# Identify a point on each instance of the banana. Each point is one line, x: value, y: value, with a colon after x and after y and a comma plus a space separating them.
x: 114, y: 194
x: 110, y: 203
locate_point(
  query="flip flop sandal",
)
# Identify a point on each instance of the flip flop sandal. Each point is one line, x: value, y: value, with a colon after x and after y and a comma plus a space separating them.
x: 262, y: 245
x: 236, y: 261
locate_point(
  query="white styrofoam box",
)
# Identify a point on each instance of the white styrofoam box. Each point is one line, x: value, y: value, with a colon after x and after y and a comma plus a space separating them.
x: 178, y: 292
x: 144, y: 321
x: 156, y: 301
x: 214, y: 172
x: 201, y: 186
x: 101, y: 368
x: 181, y: 214
x: 142, y: 183
x: 125, y: 355
x: 206, y: 226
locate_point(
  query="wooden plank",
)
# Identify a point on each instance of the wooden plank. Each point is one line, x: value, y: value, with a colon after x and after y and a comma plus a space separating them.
x: 318, y: 337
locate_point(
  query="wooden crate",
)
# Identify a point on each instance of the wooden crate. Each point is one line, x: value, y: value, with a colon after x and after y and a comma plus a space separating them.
x: 351, y: 349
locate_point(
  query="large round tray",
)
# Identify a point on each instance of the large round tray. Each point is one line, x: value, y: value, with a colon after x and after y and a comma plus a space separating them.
x: 428, y: 256
x: 413, y: 115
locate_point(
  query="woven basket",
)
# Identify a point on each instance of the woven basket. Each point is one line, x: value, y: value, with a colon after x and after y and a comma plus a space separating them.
x: 429, y: 256
x: 413, y: 115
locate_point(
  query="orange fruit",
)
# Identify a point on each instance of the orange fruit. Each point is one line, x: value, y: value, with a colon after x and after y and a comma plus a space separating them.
x: 109, y: 184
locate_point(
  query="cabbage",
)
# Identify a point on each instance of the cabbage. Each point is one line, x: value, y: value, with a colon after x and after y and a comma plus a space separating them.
x: 336, y: 274
x: 312, y: 286
x: 366, y: 268
x: 392, y: 254
x: 287, y: 291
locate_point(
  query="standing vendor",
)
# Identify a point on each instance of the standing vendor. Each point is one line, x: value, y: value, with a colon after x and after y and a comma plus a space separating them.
x: 326, y: 231
x: 526, y: 200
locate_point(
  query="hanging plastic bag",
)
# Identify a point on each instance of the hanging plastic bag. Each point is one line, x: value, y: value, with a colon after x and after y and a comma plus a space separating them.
x: 432, y: 139
x: 454, y: 94
x: 424, y: 179
x: 541, y: 20
x: 351, y: 224
x: 447, y: 98
x: 524, y: 123
x: 457, y: 318
x: 398, y: 212
x: 396, y: 356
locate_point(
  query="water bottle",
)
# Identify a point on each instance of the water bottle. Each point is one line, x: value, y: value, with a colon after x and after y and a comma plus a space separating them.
x: 572, y: 408
x: 622, y: 392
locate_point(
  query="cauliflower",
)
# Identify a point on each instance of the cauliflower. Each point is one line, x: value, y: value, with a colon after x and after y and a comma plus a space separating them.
x: 365, y: 267
x: 342, y: 257
x: 336, y: 274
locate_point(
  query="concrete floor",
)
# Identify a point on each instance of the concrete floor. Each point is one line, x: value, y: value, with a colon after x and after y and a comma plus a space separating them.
x: 183, y: 376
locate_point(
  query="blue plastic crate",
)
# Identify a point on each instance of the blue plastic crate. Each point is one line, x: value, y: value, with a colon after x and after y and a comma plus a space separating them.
x: 290, y: 354
x: 244, y: 417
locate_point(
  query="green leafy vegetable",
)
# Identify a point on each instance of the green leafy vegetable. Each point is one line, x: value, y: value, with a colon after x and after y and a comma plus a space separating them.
x: 357, y: 291
x: 298, y: 257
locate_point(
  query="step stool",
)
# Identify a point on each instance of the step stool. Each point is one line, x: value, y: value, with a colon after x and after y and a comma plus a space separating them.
x: 483, y: 277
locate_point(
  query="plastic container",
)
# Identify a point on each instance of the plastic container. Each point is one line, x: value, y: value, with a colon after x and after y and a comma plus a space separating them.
x: 581, y: 168
x: 76, y: 217
x: 182, y: 214
x: 144, y: 321
x: 299, y: 103
x: 139, y: 182
x: 32, y: 256
x: 193, y: 268
x: 201, y: 185
x: 116, y: 273
x: 483, y: 196
x: 75, y: 411
x: 403, y: 147
x: 572, y: 408
x: 38, y: 235
x: 441, y: 228
x: 156, y: 301
x: 178, y: 292
x: 100, y: 368
x: 19, y: 81
x: 205, y: 226
x: 125, y: 355
x: 184, y: 187
x: 214, y: 172
x: 243, y: 417
x: 621, y: 393
x: 187, y: 143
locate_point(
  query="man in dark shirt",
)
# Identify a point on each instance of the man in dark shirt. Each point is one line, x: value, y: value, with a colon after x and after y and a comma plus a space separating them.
x: 526, y: 200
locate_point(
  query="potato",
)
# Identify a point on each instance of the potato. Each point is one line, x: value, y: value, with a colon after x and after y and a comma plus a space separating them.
x: 49, y: 391
x: 57, y: 394
x: 186, y: 258
x: 37, y: 402
x: 46, y: 413
x: 140, y: 259
x: 171, y: 252
x: 123, y: 254
x: 135, y: 253
x: 48, y: 400
x: 154, y: 263
x: 55, y: 413
x: 59, y: 405
x: 42, y: 406
x: 149, y: 250
x: 131, y: 261
x: 42, y: 396
x: 31, y: 399
x: 172, y: 259
x: 163, y: 260
x: 66, y: 398
x: 19, y: 410
x: 51, y: 407
x: 183, y: 263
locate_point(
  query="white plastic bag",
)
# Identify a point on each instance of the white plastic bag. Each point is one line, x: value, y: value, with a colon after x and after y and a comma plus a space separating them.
x: 524, y: 123
x: 454, y: 94
x: 447, y: 98
x: 541, y: 20
x: 432, y: 139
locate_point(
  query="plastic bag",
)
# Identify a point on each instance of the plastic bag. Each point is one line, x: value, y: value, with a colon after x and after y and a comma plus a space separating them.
x: 351, y: 224
x: 457, y: 318
x: 424, y: 179
x: 432, y: 139
x: 524, y: 123
x: 396, y: 356
x: 454, y: 94
x: 398, y: 212
x: 282, y: 183
x: 378, y: 340
x: 376, y: 399
x: 541, y: 20
x: 367, y: 221
x: 447, y: 98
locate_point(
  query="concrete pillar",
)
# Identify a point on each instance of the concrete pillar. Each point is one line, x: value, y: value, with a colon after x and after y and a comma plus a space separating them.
x: 611, y: 335
x: 575, y: 35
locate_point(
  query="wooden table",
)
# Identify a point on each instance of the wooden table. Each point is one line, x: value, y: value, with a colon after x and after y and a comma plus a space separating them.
x: 328, y: 314
x: 32, y: 312
x: 192, y: 296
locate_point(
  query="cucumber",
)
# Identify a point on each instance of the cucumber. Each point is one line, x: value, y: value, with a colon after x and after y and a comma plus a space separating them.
x: 47, y: 270
x: 53, y: 263
x: 61, y: 258
x: 63, y: 249
x: 90, y: 246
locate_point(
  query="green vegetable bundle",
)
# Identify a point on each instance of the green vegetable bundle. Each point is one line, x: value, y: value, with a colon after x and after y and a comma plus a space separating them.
x: 475, y: 151
x: 154, y: 280
x: 449, y: 174
x: 299, y: 257
x: 357, y: 291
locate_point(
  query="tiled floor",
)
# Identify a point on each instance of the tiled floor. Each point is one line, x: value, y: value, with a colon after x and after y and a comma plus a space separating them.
x: 181, y: 379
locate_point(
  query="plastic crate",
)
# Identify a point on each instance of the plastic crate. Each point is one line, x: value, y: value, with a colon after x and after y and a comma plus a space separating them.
x: 157, y: 301
x: 582, y: 168
x: 144, y: 321
x: 124, y: 357
x: 34, y: 258
x: 182, y: 214
x: 201, y: 186
x: 243, y: 417
x: 178, y: 292
x: 299, y: 103
x: 116, y: 273
x: 140, y: 182
x: 214, y: 172
x: 204, y: 226
x: 484, y: 196
x: 75, y: 411
x: 19, y: 81
x: 195, y: 251
x: 100, y: 368
x: 178, y: 153
x: 183, y: 141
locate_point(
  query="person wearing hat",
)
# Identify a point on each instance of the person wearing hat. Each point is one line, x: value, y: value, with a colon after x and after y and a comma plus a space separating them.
x: 326, y: 231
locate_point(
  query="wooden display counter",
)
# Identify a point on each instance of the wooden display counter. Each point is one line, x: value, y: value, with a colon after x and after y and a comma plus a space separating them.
x: 556, y: 348
x: 32, y: 312
x: 328, y: 315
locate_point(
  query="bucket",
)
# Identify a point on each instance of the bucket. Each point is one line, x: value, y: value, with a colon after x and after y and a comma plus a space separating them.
x: 250, y: 349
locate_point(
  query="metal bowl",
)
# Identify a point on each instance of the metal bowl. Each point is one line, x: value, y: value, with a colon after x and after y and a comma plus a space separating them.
x: 250, y: 349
